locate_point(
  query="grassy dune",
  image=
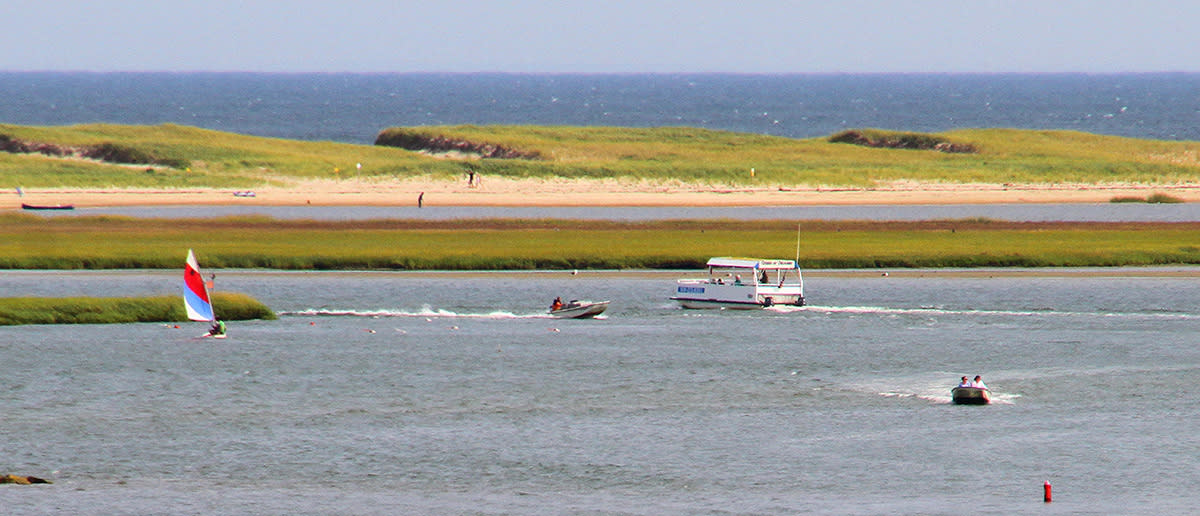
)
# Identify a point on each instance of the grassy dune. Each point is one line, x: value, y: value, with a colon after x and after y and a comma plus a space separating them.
x: 95, y: 310
x: 31, y: 242
x: 216, y: 159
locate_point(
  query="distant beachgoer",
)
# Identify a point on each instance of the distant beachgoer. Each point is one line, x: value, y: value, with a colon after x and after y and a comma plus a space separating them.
x: 421, y: 199
x: 470, y: 178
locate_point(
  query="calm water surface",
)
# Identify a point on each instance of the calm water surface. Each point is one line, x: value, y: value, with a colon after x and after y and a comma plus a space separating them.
x: 385, y: 393
x: 1101, y: 212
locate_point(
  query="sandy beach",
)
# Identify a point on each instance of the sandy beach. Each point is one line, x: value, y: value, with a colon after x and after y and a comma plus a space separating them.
x: 541, y: 192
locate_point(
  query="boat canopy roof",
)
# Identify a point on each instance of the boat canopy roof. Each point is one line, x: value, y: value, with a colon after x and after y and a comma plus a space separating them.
x: 751, y: 263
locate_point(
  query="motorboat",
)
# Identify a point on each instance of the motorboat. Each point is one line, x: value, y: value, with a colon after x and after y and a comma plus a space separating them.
x: 576, y: 309
x: 743, y: 283
x: 970, y: 395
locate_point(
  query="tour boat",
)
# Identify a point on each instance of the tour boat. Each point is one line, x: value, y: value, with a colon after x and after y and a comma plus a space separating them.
x: 743, y: 283
x: 970, y: 395
x: 576, y: 309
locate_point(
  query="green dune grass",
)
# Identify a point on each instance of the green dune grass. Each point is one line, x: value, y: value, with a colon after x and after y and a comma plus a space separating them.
x: 205, y: 158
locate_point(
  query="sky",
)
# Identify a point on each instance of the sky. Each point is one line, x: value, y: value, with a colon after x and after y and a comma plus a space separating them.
x: 606, y: 36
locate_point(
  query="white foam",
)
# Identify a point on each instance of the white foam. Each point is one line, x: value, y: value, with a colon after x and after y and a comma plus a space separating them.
x: 426, y: 312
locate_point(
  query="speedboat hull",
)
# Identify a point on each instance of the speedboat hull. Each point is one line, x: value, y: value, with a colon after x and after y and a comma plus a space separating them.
x: 580, y: 310
x: 970, y: 396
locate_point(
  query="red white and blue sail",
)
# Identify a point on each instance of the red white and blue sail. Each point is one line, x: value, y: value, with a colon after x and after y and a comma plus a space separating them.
x: 195, y: 293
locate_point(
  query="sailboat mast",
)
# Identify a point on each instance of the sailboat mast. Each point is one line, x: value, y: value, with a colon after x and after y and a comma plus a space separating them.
x: 212, y: 282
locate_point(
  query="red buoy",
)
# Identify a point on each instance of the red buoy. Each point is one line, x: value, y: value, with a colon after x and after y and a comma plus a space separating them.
x: 1046, y: 492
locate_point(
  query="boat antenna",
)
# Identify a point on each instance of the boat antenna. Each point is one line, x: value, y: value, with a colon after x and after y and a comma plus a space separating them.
x: 797, y: 244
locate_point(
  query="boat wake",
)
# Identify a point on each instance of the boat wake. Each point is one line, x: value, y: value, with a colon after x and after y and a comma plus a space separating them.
x: 878, y: 310
x: 426, y: 312
x: 939, y: 392
x: 998, y: 398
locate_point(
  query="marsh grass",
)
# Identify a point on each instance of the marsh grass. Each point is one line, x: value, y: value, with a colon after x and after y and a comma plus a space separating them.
x: 107, y: 310
x: 698, y: 156
x: 1161, y: 198
x: 32, y: 242
x: 1158, y: 198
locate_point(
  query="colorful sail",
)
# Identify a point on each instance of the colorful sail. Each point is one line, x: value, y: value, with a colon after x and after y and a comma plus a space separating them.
x: 195, y: 293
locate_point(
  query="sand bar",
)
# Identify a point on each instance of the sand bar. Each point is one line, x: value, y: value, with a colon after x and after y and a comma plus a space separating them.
x: 549, y: 193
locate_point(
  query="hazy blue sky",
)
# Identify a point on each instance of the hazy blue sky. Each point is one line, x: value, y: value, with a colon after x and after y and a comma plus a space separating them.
x: 602, y: 36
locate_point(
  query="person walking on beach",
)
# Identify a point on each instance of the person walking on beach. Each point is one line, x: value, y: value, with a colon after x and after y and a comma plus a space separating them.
x: 420, y: 199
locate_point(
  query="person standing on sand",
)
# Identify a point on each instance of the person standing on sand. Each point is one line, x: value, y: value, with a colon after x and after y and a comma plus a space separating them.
x: 420, y: 199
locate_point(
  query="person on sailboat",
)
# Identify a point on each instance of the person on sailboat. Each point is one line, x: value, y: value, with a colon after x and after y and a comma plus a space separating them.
x: 218, y: 328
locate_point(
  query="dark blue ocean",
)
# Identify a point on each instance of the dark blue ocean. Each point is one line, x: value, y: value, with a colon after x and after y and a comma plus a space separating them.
x: 355, y: 107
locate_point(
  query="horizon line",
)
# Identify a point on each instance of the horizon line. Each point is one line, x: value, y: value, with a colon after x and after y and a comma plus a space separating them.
x: 626, y: 73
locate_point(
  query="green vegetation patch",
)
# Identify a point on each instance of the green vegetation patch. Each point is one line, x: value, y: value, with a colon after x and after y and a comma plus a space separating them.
x: 901, y: 140
x: 1158, y: 198
x: 32, y: 242
x: 106, y: 151
x: 105, y: 310
x: 423, y: 140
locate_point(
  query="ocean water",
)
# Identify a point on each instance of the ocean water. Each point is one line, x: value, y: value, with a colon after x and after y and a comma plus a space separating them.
x: 355, y: 107
x: 1079, y: 212
x: 392, y: 393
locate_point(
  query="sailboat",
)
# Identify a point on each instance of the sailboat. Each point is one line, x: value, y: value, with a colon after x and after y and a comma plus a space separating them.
x: 196, y: 300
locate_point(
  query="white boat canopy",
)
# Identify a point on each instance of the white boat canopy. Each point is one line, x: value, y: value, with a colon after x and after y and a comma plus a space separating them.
x: 750, y: 263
